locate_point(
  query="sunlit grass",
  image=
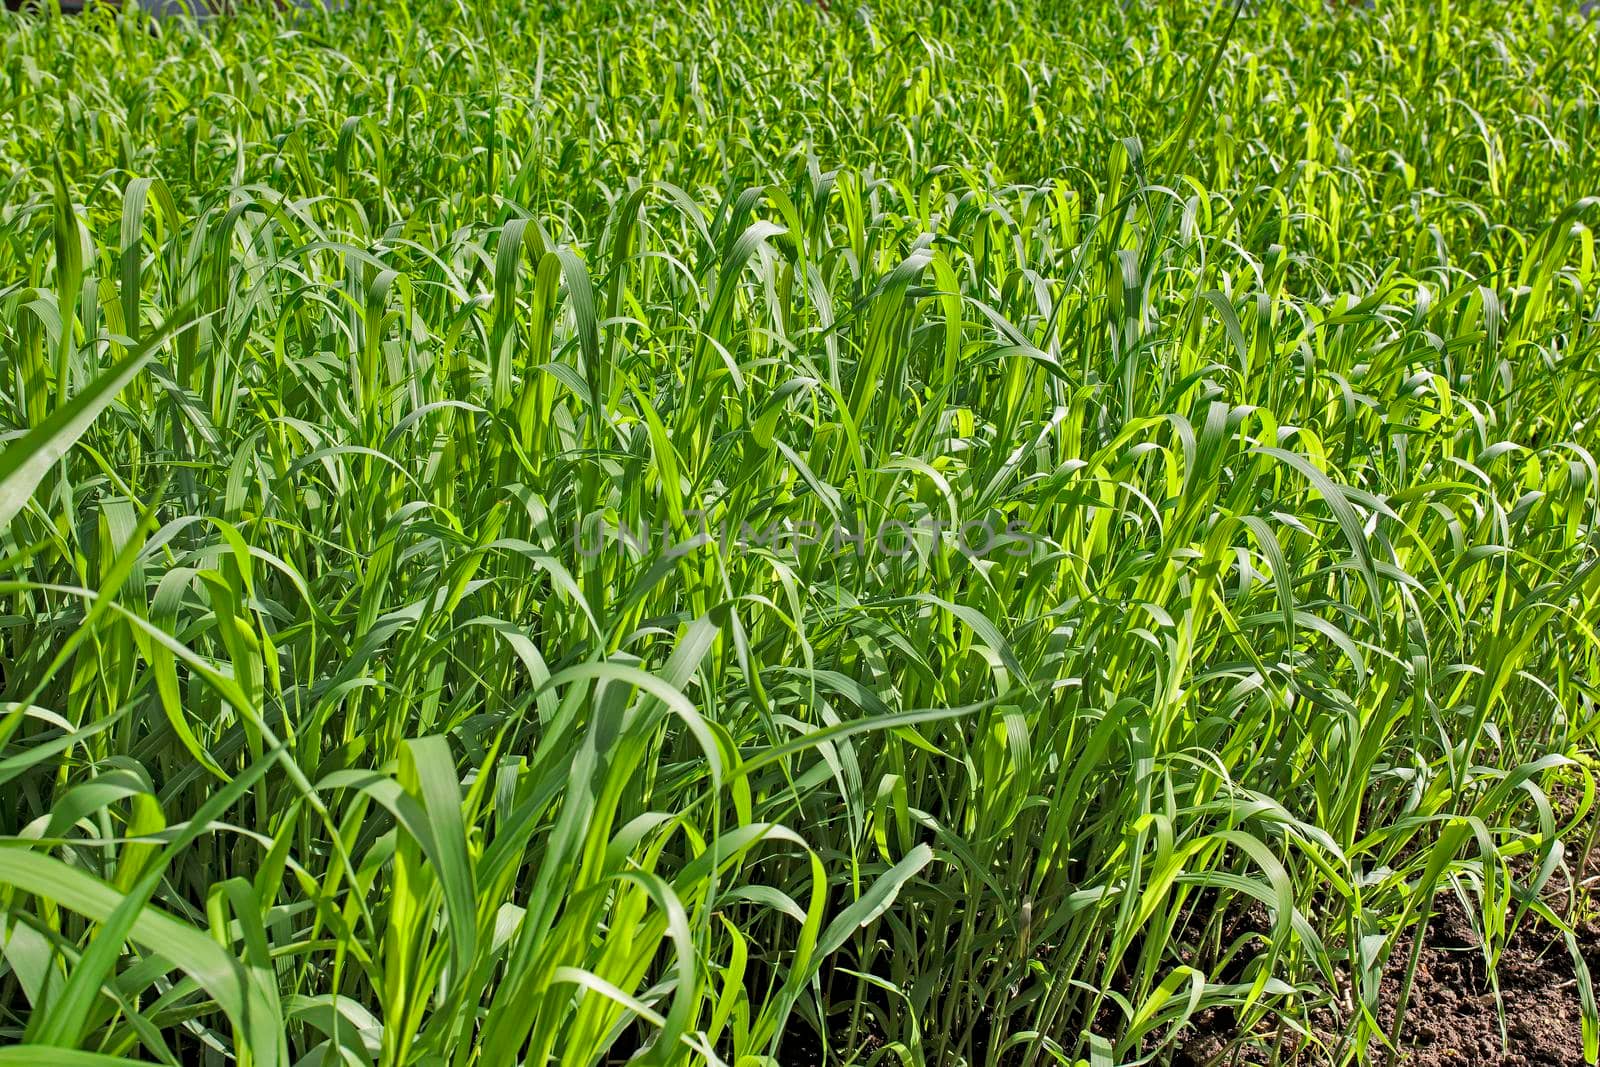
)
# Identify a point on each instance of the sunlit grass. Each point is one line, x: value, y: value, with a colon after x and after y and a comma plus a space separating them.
x: 1254, y: 363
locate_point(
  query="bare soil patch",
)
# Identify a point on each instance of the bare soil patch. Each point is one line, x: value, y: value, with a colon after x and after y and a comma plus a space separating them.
x: 1452, y: 1019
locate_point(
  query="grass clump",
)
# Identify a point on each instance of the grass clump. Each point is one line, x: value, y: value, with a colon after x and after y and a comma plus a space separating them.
x: 915, y: 533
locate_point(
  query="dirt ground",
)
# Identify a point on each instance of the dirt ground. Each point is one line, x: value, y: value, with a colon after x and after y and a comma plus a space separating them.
x: 1451, y: 1019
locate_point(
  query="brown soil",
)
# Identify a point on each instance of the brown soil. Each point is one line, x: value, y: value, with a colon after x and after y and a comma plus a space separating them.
x: 1452, y: 1019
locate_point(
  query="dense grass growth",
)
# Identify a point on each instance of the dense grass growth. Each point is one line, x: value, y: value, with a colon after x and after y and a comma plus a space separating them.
x: 1248, y: 362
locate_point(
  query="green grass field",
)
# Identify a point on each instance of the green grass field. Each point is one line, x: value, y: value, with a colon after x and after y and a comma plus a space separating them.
x: 928, y: 533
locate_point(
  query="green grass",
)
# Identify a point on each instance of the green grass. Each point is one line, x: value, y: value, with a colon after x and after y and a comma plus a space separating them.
x: 326, y: 739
